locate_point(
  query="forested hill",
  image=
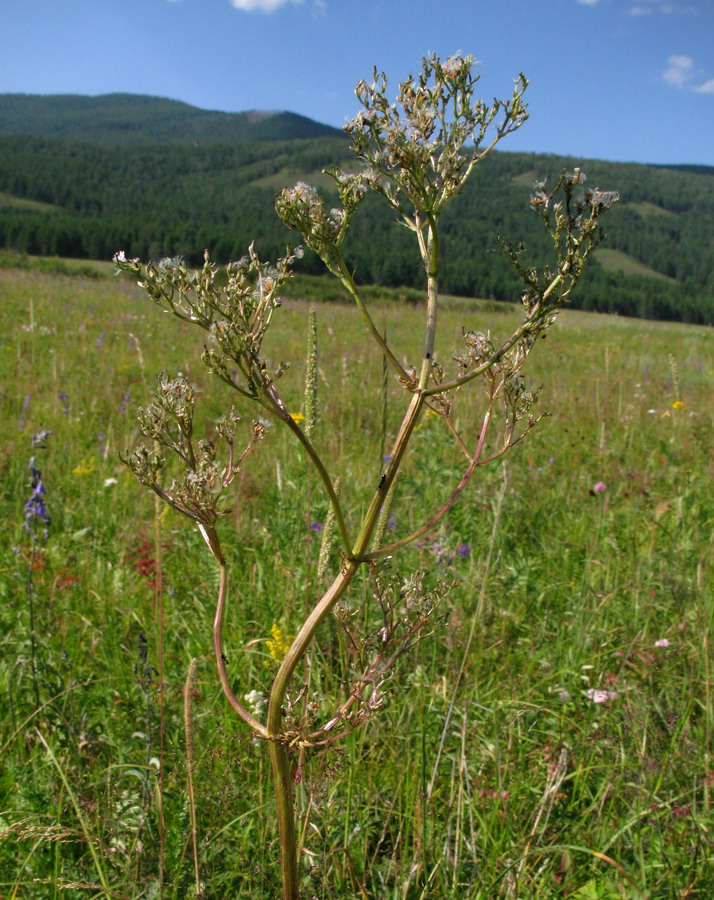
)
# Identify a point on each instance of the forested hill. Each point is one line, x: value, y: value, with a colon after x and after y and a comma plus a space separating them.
x: 88, y: 200
x: 137, y: 119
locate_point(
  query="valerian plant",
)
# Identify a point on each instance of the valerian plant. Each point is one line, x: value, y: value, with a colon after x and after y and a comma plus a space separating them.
x: 416, y: 153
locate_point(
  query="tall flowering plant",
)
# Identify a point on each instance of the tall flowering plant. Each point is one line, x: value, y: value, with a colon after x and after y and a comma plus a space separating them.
x: 416, y: 154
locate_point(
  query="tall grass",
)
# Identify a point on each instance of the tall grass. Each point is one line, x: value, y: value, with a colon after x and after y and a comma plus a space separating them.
x: 492, y: 772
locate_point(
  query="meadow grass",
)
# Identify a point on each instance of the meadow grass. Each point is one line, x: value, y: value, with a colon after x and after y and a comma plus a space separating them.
x: 617, y: 261
x: 583, y: 565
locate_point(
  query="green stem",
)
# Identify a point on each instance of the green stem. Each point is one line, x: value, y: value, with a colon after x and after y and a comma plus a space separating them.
x: 283, y: 790
x: 326, y: 480
x: 343, y: 274
x: 278, y: 749
x: 432, y: 271
x: 383, y: 551
x: 84, y: 824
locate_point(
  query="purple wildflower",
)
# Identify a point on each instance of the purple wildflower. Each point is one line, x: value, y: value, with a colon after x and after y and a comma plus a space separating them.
x: 64, y: 399
x: 36, y: 506
x: 100, y: 339
x: 316, y: 526
x: 125, y: 402
x: 463, y: 550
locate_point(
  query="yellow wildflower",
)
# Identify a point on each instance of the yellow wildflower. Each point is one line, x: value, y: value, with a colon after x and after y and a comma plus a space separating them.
x: 86, y: 467
x: 297, y: 417
x: 678, y: 404
x: 279, y: 644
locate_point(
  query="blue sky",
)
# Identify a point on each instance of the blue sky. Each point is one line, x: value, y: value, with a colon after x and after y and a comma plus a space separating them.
x: 626, y: 80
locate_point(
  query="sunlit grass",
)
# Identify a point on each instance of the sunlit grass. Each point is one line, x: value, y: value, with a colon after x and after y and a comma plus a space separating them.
x: 492, y: 771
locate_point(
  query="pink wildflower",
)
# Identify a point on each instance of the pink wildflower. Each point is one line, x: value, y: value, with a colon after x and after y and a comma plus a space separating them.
x: 662, y: 642
x: 600, y: 696
x: 600, y: 486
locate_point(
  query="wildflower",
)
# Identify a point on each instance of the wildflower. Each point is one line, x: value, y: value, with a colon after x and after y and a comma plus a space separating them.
x: 122, y: 258
x: 169, y: 262
x: 599, y: 487
x: 600, y: 696
x: 108, y: 482
x: 678, y: 404
x: 125, y: 402
x: 85, y: 467
x: 39, y: 439
x: 463, y: 550
x: 297, y: 417
x: 278, y: 644
x: 256, y: 702
x: 316, y: 526
x: 662, y: 642
x: 36, y: 506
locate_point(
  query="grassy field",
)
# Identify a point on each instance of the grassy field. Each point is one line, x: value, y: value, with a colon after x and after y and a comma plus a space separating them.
x: 616, y: 261
x: 551, y: 738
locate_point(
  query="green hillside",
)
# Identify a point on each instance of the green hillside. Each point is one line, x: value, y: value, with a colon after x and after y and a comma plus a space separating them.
x: 136, y: 119
x: 86, y: 200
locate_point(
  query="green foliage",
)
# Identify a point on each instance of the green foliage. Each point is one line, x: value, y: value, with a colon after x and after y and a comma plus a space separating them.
x: 578, y: 590
x: 169, y: 200
x: 132, y: 119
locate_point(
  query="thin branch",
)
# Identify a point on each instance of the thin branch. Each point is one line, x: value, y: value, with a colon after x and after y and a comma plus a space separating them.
x: 343, y: 274
x: 375, y: 554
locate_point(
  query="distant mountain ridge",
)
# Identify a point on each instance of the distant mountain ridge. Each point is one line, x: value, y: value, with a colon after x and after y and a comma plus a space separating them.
x: 83, y: 177
x: 122, y: 119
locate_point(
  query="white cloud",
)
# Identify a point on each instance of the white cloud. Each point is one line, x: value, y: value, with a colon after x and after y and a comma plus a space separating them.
x: 588, y: 2
x: 264, y: 6
x: 646, y: 9
x: 679, y: 71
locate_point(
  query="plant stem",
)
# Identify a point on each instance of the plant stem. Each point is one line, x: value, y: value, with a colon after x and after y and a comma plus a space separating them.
x: 343, y: 273
x: 159, y: 622
x: 324, y: 475
x: 211, y: 539
x: 31, y: 603
x: 278, y: 748
x: 190, y: 759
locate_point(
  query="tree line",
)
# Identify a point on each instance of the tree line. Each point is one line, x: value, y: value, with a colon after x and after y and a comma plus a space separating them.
x: 164, y: 200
